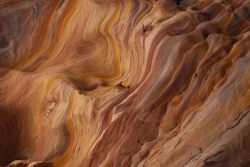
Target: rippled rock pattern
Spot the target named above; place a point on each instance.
(125, 83)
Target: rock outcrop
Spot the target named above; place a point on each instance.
(125, 83)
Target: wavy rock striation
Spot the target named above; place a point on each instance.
(125, 83)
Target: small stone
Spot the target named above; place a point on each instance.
(51, 107)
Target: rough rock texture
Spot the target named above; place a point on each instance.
(125, 83)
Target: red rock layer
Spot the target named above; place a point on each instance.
(118, 83)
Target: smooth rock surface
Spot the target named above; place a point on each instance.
(125, 83)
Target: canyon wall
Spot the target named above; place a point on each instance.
(125, 83)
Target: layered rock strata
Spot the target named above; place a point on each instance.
(125, 83)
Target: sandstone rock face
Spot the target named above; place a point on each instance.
(125, 83)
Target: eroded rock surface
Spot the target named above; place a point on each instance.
(125, 83)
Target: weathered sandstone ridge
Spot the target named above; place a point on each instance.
(125, 83)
